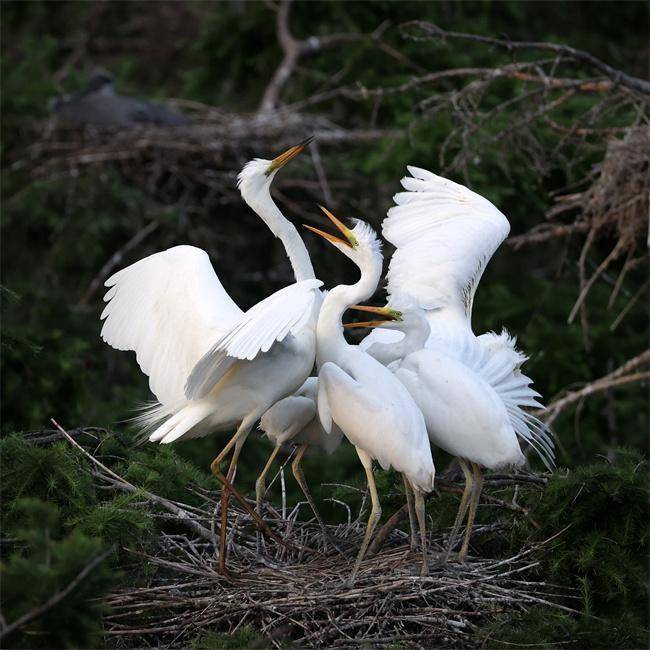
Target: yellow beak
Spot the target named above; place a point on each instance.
(350, 240)
(288, 155)
(388, 314)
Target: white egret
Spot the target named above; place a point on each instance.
(372, 408)
(293, 420)
(212, 366)
(470, 389)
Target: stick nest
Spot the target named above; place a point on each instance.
(297, 592)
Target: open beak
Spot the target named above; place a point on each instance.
(288, 155)
(389, 315)
(348, 238)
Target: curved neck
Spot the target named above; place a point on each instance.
(330, 342)
(416, 332)
(284, 230)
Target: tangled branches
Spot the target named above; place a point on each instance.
(304, 598)
(295, 589)
(191, 165)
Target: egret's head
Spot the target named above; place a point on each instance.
(258, 174)
(360, 243)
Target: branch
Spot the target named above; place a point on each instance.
(617, 76)
(619, 377)
(57, 597)
(295, 49)
(184, 517)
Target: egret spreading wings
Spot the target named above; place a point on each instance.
(469, 388)
(212, 366)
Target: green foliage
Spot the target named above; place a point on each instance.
(58, 231)
(44, 563)
(50, 473)
(602, 551)
(116, 520)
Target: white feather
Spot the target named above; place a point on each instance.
(444, 235)
(168, 308)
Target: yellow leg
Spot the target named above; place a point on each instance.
(409, 503)
(375, 513)
(237, 441)
(469, 482)
(419, 511)
(299, 475)
(260, 484)
(260, 487)
(473, 505)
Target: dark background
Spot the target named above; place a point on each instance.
(61, 223)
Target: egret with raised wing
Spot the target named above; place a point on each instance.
(469, 388)
(212, 366)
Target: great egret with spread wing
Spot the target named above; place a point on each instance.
(212, 366)
(371, 407)
(469, 388)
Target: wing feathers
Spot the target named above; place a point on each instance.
(168, 308)
(269, 321)
(444, 236)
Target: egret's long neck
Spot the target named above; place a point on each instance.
(284, 230)
(330, 342)
(416, 331)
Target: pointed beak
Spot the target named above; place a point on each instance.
(349, 239)
(288, 155)
(389, 315)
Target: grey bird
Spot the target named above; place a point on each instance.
(98, 104)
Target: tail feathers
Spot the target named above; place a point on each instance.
(181, 423)
(537, 434)
(152, 415)
(501, 368)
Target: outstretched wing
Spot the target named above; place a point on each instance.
(273, 319)
(168, 308)
(444, 235)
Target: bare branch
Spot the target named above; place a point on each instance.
(625, 374)
(617, 76)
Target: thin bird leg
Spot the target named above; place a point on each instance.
(260, 487)
(241, 432)
(473, 505)
(419, 510)
(375, 513)
(462, 508)
(261, 524)
(225, 499)
(409, 503)
(299, 475)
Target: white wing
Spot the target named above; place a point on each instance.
(168, 308)
(444, 235)
(273, 319)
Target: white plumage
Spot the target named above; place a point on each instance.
(270, 321)
(294, 419)
(372, 408)
(171, 309)
(444, 235)
(470, 389)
